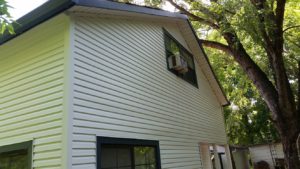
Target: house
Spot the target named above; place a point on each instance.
(89, 84)
(270, 153)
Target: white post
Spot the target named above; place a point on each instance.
(205, 156)
(217, 159)
(228, 156)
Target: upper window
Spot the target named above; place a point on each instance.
(179, 60)
(17, 156)
(115, 153)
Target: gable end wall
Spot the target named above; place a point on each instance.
(122, 88)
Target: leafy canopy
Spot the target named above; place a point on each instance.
(6, 19)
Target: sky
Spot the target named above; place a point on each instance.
(21, 7)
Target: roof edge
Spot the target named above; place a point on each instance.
(106, 4)
(36, 17)
(227, 103)
(54, 7)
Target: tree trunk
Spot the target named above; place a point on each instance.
(289, 143)
(289, 136)
(284, 114)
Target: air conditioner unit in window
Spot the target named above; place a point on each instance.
(177, 62)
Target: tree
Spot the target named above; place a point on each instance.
(6, 19)
(260, 25)
(261, 22)
(247, 118)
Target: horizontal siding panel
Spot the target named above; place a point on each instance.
(47, 155)
(93, 86)
(47, 163)
(152, 116)
(131, 126)
(32, 115)
(131, 134)
(50, 83)
(142, 76)
(84, 152)
(48, 139)
(32, 122)
(29, 136)
(122, 88)
(32, 91)
(49, 70)
(85, 166)
(84, 160)
(40, 94)
(30, 129)
(41, 106)
(34, 101)
(138, 104)
(35, 62)
(103, 79)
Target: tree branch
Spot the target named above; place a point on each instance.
(226, 10)
(268, 44)
(273, 38)
(291, 27)
(216, 45)
(280, 12)
(197, 18)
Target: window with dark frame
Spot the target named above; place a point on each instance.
(16, 156)
(173, 48)
(119, 153)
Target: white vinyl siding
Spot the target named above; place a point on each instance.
(31, 91)
(122, 88)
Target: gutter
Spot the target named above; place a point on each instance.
(109, 4)
(54, 7)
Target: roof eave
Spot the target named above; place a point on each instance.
(104, 4)
(54, 7)
(36, 17)
(225, 101)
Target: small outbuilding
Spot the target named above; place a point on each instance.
(271, 153)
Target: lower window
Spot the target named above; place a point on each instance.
(17, 156)
(115, 153)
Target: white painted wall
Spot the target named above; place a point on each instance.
(262, 153)
(122, 88)
(241, 159)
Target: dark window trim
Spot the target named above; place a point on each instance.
(19, 146)
(180, 45)
(126, 141)
(166, 33)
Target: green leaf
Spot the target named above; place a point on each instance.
(10, 29)
(3, 28)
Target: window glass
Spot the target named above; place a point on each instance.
(108, 157)
(144, 157)
(119, 156)
(172, 47)
(14, 159)
(188, 59)
(124, 157)
(186, 68)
